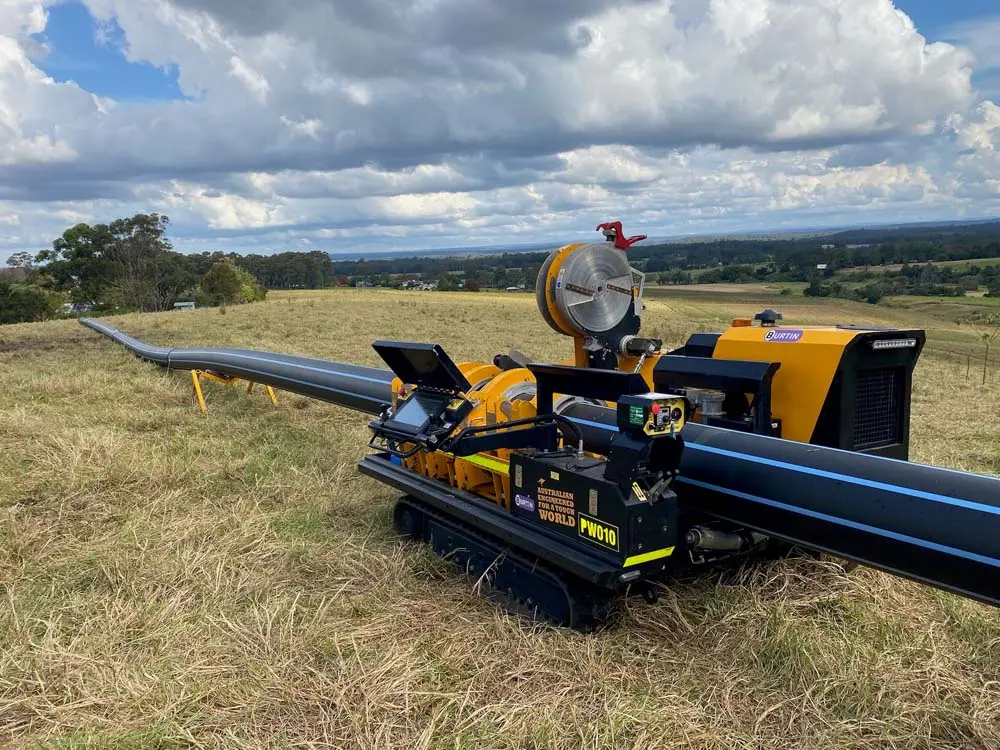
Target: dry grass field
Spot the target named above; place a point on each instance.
(172, 579)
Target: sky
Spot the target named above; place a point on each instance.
(347, 125)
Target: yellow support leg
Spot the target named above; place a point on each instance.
(267, 388)
(196, 382)
(197, 375)
(224, 379)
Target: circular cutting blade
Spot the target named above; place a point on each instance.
(593, 289)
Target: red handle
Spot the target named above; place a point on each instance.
(620, 240)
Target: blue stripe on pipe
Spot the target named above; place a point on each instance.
(598, 425)
(295, 364)
(993, 562)
(896, 489)
(932, 496)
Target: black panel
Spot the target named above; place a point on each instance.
(734, 377)
(878, 407)
(570, 496)
(699, 345)
(422, 365)
(742, 376)
(605, 385)
(867, 408)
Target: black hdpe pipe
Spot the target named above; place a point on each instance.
(937, 526)
(365, 389)
(934, 525)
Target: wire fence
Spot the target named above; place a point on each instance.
(971, 362)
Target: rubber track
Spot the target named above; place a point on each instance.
(521, 585)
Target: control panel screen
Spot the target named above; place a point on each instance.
(416, 412)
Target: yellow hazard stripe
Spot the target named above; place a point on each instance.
(491, 464)
(656, 554)
(484, 462)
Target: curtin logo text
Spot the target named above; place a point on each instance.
(783, 335)
(524, 502)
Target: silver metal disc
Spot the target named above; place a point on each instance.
(594, 288)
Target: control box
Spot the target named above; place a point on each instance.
(652, 414)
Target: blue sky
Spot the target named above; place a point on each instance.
(945, 20)
(258, 125)
(934, 16)
(93, 55)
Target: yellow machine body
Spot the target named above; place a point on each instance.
(809, 358)
(808, 366)
(499, 396)
(801, 385)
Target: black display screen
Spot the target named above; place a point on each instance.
(415, 413)
(424, 365)
(422, 361)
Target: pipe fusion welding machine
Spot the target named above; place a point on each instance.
(565, 485)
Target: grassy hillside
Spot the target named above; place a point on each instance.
(898, 266)
(947, 338)
(173, 579)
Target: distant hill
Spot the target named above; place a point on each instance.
(446, 252)
(916, 231)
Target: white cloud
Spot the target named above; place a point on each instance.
(219, 210)
(39, 149)
(465, 121)
(256, 83)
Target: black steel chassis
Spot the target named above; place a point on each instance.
(527, 570)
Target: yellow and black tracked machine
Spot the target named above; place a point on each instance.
(564, 485)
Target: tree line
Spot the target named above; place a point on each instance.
(923, 280)
(128, 264)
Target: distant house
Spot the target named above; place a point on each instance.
(827, 247)
(184, 305)
(76, 307)
(821, 266)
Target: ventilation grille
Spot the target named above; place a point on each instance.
(878, 408)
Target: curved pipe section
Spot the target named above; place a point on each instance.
(365, 389)
(159, 355)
